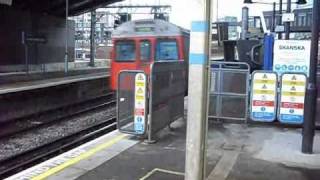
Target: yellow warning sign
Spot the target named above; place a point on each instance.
(264, 81)
(270, 92)
(294, 83)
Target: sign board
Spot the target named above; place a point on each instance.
(291, 106)
(264, 96)
(140, 103)
(291, 56)
(279, 28)
(288, 17)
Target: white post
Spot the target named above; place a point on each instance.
(198, 89)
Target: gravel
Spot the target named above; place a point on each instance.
(31, 139)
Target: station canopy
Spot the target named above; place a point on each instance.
(57, 7)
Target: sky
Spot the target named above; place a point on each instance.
(182, 17)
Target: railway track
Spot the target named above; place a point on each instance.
(34, 156)
(31, 157)
(48, 117)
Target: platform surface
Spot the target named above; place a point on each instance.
(234, 151)
(37, 84)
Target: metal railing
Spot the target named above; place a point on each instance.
(229, 90)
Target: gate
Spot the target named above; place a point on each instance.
(168, 86)
(229, 89)
(132, 102)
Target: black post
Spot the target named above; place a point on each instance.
(280, 18)
(311, 93)
(92, 37)
(287, 24)
(273, 17)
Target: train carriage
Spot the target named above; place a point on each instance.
(137, 44)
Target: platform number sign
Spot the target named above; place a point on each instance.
(140, 103)
(291, 106)
(263, 96)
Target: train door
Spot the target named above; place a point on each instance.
(145, 55)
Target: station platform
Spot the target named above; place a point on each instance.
(51, 81)
(234, 152)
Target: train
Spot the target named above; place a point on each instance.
(137, 44)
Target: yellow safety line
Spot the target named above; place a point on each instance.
(161, 170)
(79, 158)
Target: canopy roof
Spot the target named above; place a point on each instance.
(58, 7)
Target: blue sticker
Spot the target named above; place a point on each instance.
(139, 125)
(291, 119)
(277, 67)
(291, 68)
(284, 68)
(263, 116)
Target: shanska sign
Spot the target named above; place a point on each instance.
(294, 48)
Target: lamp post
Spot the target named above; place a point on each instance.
(311, 93)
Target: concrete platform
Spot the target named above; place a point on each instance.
(28, 98)
(50, 82)
(235, 151)
(52, 67)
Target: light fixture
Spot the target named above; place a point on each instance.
(247, 2)
(301, 2)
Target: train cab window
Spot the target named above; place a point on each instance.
(125, 51)
(166, 50)
(145, 50)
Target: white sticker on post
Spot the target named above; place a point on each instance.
(140, 103)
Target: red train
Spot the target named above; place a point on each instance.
(137, 44)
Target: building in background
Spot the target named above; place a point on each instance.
(107, 19)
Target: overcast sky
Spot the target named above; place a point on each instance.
(180, 15)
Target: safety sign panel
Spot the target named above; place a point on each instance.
(264, 96)
(291, 106)
(291, 56)
(140, 103)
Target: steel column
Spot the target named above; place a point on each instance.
(311, 93)
(66, 40)
(92, 37)
(273, 17)
(287, 24)
(245, 23)
(280, 18)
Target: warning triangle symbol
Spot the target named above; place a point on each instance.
(294, 78)
(293, 88)
(265, 76)
(264, 87)
(140, 91)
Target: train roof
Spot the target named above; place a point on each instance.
(148, 27)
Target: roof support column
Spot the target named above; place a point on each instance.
(198, 89)
(92, 37)
(66, 40)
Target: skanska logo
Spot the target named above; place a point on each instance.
(294, 48)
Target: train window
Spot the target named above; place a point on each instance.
(145, 50)
(166, 50)
(125, 51)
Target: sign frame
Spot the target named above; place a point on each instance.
(275, 97)
(291, 56)
(133, 132)
(280, 97)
